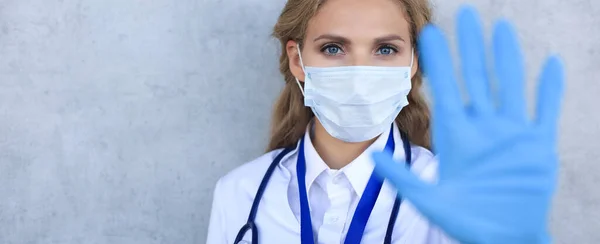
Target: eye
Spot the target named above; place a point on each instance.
(331, 49)
(387, 50)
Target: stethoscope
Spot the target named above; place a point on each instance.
(363, 210)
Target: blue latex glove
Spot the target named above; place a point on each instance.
(498, 168)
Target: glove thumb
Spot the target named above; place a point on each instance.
(408, 184)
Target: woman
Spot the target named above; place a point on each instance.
(352, 90)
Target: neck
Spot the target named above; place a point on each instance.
(334, 152)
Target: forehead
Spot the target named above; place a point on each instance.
(365, 18)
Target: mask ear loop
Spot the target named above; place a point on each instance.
(301, 65)
(412, 57)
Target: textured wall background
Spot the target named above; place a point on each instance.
(117, 116)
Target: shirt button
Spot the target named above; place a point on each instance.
(334, 219)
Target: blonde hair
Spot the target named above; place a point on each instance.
(290, 116)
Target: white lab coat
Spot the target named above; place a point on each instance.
(333, 196)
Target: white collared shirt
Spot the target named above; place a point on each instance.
(333, 196)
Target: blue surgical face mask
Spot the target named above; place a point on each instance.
(356, 103)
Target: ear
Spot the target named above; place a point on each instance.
(415, 66)
(294, 60)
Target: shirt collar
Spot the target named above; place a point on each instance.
(358, 172)
(315, 165)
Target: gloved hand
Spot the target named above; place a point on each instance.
(497, 167)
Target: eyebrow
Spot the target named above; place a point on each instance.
(333, 38)
(342, 39)
(389, 38)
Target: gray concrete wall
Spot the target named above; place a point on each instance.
(118, 116)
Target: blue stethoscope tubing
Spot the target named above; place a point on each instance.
(250, 225)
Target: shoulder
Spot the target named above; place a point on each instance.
(247, 176)
(233, 196)
(424, 163)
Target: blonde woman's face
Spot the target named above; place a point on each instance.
(355, 33)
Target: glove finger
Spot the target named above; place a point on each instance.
(550, 91)
(509, 69)
(474, 69)
(439, 69)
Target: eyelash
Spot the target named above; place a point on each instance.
(330, 45)
(393, 48)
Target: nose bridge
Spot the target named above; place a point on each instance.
(361, 55)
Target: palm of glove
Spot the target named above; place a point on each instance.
(496, 181)
(497, 168)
